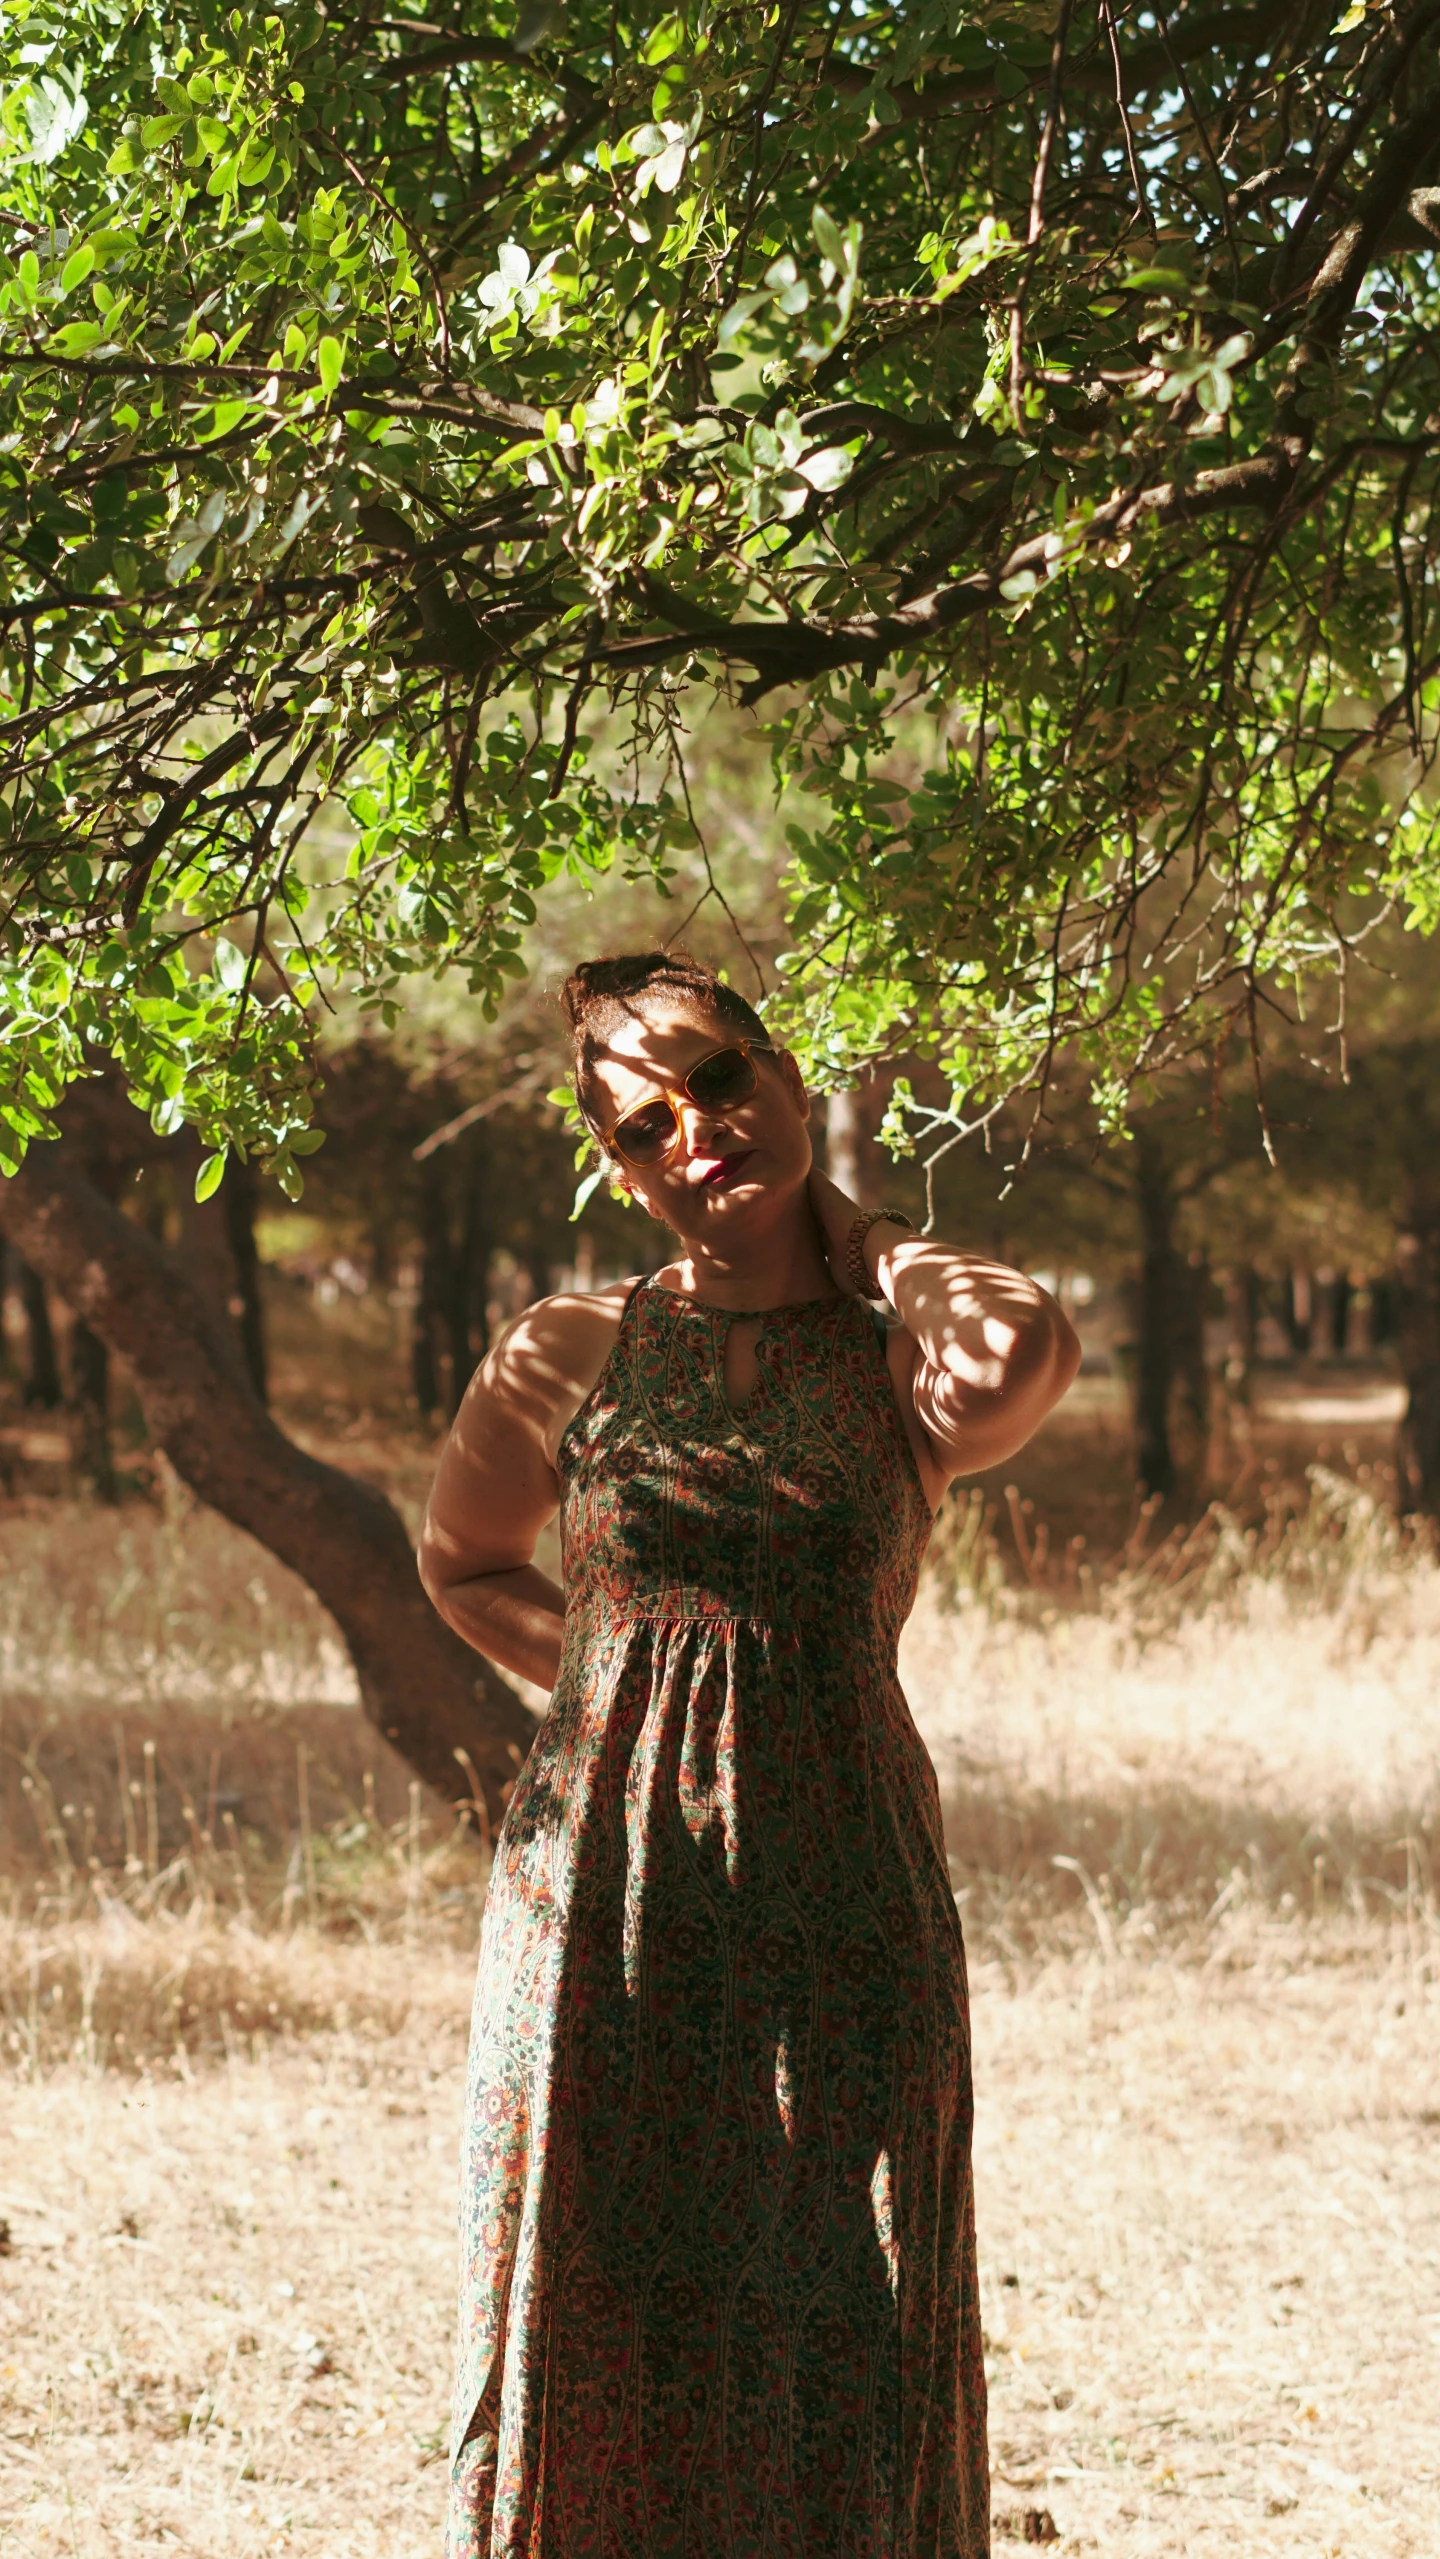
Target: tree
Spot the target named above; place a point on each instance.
(455, 1720)
(1041, 402)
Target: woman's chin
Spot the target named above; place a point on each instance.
(730, 1207)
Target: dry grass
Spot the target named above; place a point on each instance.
(1192, 1805)
(1248, 1716)
(1209, 2225)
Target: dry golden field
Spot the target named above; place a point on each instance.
(1192, 1803)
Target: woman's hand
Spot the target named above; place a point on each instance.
(989, 1352)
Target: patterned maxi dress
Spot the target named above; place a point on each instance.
(718, 2291)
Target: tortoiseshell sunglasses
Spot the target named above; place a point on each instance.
(649, 1135)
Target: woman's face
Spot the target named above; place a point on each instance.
(733, 1166)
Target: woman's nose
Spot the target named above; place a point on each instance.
(698, 1124)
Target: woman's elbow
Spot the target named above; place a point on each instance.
(437, 1566)
(1064, 1352)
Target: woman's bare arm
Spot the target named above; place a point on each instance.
(496, 1487)
(991, 1351)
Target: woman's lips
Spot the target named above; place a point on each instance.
(725, 1169)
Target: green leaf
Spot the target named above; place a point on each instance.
(585, 1192)
(664, 39)
(77, 337)
(827, 469)
(330, 363)
(210, 1176)
(1156, 279)
(77, 266)
(827, 237)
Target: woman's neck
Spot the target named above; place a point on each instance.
(782, 1267)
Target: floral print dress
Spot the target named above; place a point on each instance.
(718, 2290)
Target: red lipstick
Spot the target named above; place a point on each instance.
(726, 1169)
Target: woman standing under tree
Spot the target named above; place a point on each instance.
(718, 2287)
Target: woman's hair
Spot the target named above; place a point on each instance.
(601, 994)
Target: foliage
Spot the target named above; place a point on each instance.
(1038, 404)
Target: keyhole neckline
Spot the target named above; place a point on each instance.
(744, 1314)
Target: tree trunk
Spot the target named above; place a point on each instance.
(42, 1368)
(437, 1284)
(1169, 1355)
(471, 1324)
(89, 1364)
(420, 1686)
(852, 1157)
(1417, 1339)
(237, 1196)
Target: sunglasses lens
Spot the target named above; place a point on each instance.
(718, 1081)
(647, 1136)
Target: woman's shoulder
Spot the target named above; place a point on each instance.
(550, 1357)
(572, 1316)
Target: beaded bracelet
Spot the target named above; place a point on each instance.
(857, 1269)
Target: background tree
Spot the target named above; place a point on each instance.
(384, 399)
(409, 428)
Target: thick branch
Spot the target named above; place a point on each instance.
(793, 652)
(1144, 64)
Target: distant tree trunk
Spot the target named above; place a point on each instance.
(437, 1283)
(419, 1685)
(471, 1327)
(237, 1198)
(450, 1322)
(1299, 1311)
(1242, 1303)
(852, 1157)
(92, 1457)
(1169, 1300)
(1417, 1339)
(42, 1368)
(218, 1243)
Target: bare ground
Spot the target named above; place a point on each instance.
(1193, 1813)
(1210, 2232)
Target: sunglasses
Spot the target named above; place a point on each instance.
(649, 1134)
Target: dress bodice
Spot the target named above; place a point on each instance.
(803, 1505)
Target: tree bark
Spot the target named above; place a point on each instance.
(1417, 1339)
(1169, 1327)
(419, 1685)
(42, 1368)
(852, 1157)
(89, 1363)
(437, 1283)
(237, 1196)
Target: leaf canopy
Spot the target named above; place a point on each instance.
(1035, 408)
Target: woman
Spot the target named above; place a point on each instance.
(718, 2260)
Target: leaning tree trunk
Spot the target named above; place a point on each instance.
(420, 1686)
(1417, 1339)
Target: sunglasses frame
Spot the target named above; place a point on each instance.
(675, 1094)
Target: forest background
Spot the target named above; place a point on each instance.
(933, 505)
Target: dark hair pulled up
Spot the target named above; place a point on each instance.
(601, 994)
